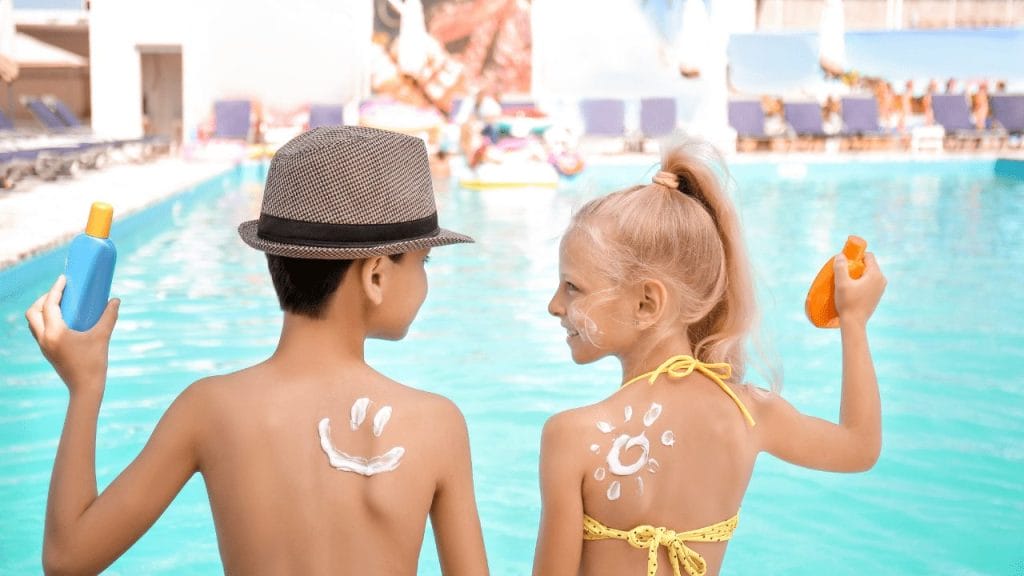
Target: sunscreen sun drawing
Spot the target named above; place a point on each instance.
(625, 444)
(339, 460)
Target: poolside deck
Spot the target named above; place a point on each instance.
(37, 216)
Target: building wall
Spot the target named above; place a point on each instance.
(282, 54)
(874, 14)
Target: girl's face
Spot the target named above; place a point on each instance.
(595, 313)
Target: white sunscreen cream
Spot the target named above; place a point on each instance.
(358, 413)
(623, 443)
(344, 462)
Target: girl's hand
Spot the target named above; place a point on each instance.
(856, 299)
(80, 358)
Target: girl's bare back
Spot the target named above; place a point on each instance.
(685, 465)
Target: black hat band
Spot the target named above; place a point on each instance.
(326, 235)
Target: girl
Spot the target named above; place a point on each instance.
(657, 276)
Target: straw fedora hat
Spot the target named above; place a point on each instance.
(348, 192)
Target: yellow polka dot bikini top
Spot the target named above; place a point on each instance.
(681, 556)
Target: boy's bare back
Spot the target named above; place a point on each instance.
(277, 503)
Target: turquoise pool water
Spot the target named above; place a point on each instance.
(947, 496)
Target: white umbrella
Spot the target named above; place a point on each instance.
(831, 35)
(701, 51)
(696, 40)
(8, 63)
(412, 36)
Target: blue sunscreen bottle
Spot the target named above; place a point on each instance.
(89, 270)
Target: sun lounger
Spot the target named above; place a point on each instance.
(604, 117)
(953, 114)
(1008, 112)
(72, 121)
(325, 115)
(6, 126)
(50, 121)
(860, 122)
(232, 119)
(46, 161)
(604, 126)
(747, 118)
(805, 121)
(67, 130)
(657, 117)
(12, 169)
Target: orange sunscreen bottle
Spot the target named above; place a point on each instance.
(820, 305)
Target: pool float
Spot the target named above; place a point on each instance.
(512, 174)
(567, 163)
(820, 305)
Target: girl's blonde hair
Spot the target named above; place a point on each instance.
(686, 236)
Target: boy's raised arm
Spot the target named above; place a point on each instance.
(85, 532)
(854, 444)
(453, 514)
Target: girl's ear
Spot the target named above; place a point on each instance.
(372, 276)
(653, 297)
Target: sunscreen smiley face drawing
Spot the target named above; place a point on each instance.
(623, 459)
(367, 466)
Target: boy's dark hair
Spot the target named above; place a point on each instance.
(303, 285)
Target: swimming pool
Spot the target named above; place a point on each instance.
(946, 497)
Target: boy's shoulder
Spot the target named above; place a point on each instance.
(428, 404)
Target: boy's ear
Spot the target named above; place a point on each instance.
(372, 275)
(651, 302)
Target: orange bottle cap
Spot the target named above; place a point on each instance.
(100, 216)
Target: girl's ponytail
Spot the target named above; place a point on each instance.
(719, 335)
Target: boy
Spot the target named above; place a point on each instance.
(314, 462)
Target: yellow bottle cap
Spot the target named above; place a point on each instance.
(100, 216)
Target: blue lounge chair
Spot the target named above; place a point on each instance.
(860, 116)
(1008, 111)
(325, 115)
(92, 151)
(6, 126)
(232, 119)
(22, 155)
(148, 144)
(804, 118)
(746, 117)
(657, 117)
(61, 111)
(603, 117)
(50, 121)
(21, 158)
(860, 120)
(952, 113)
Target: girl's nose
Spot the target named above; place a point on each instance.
(555, 306)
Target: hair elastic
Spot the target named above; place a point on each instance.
(671, 180)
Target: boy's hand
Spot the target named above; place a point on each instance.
(80, 358)
(856, 299)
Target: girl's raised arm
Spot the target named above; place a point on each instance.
(560, 539)
(854, 444)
